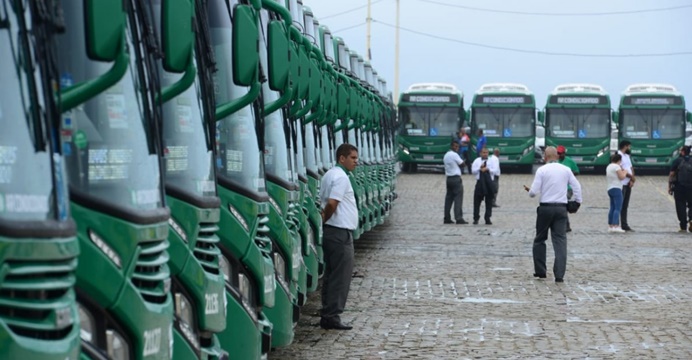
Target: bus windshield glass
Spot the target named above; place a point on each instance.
(578, 123)
(26, 186)
(657, 124)
(505, 122)
(429, 121)
(188, 160)
(106, 145)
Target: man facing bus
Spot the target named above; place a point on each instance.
(567, 161)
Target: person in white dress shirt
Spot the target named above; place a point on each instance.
(485, 171)
(551, 182)
(455, 187)
(625, 147)
(495, 157)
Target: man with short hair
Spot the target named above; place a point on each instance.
(567, 161)
(484, 171)
(495, 157)
(340, 218)
(680, 186)
(551, 182)
(625, 148)
(455, 187)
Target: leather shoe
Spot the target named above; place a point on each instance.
(334, 324)
(540, 276)
(559, 280)
(627, 228)
(475, 222)
(488, 222)
(449, 222)
(462, 222)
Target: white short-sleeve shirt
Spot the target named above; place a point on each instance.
(336, 185)
(626, 164)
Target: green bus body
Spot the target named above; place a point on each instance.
(38, 311)
(430, 116)
(653, 118)
(507, 115)
(578, 116)
(115, 178)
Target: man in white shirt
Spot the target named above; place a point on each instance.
(485, 171)
(625, 147)
(495, 157)
(340, 218)
(455, 187)
(551, 182)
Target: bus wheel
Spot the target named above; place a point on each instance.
(405, 167)
(414, 167)
(528, 169)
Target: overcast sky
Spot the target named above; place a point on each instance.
(440, 55)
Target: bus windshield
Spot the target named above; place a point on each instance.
(106, 147)
(658, 124)
(429, 121)
(578, 123)
(26, 188)
(505, 122)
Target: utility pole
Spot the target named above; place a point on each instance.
(368, 21)
(396, 58)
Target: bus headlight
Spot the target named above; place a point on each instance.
(225, 268)
(116, 346)
(675, 153)
(87, 325)
(185, 315)
(281, 272)
(606, 149)
(311, 241)
(527, 150)
(245, 289)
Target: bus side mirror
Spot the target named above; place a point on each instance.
(689, 117)
(105, 24)
(616, 117)
(278, 55)
(177, 34)
(245, 46)
(468, 115)
(541, 118)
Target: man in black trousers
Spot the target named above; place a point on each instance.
(551, 182)
(485, 172)
(625, 148)
(680, 186)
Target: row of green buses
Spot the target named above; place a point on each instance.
(160, 169)
(579, 116)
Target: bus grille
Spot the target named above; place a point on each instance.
(206, 249)
(152, 276)
(34, 298)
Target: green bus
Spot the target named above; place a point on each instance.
(430, 115)
(507, 115)
(578, 116)
(653, 118)
(38, 311)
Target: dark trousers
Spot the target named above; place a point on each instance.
(465, 157)
(336, 282)
(455, 195)
(683, 205)
(478, 197)
(553, 218)
(626, 192)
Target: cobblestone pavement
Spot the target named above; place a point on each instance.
(434, 291)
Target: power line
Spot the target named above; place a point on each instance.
(348, 28)
(347, 11)
(624, 12)
(534, 51)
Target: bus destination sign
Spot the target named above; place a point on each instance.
(503, 99)
(438, 99)
(658, 100)
(578, 100)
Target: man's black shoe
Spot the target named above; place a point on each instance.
(559, 280)
(462, 222)
(449, 221)
(627, 228)
(496, 205)
(539, 276)
(475, 222)
(488, 222)
(569, 229)
(334, 324)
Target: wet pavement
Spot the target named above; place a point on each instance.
(431, 291)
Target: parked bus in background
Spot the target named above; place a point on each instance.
(430, 115)
(507, 115)
(578, 116)
(653, 118)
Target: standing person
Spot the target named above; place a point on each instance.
(464, 141)
(480, 144)
(455, 187)
(680, 186)
(495, 157)
(551, 182)
(625, 148)
(567, 161)
(614, 175)
(484, 171)
(340, 218)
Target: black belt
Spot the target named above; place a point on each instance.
(453, 175)
(336, 227)
(554, 204)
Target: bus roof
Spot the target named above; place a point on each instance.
(434, 87)
(649, 89)
(579, 88)
(503, 88)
